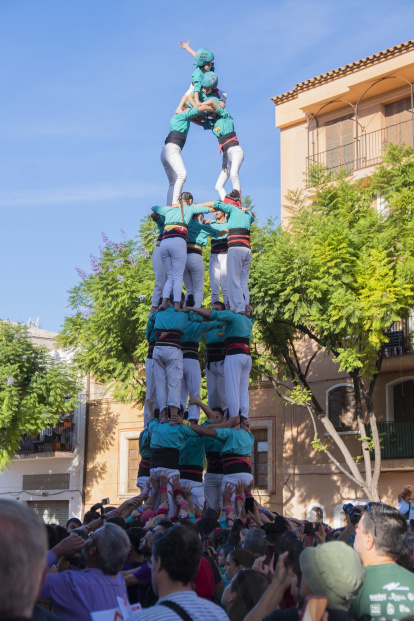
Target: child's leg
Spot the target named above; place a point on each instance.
(236, 157)
(166, 153)
(221, 182)
(165, 253)
(160, 276)
(178, 259)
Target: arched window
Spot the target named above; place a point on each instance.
(341, 407)
(400, 399)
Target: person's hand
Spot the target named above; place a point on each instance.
(209, 221)
(154, 483)
(69, 546)
(184, 45)
(151, 523)
(320, 534)
(164, 505)
(194, 400)
(263, 568)
(163, 478)
(284, 573)
(198, 510)
(227, 491)
(239, 489)
(175, 481)
(255, 515)
(248, 489)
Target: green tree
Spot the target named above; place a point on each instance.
(35, 388)
(335, 278)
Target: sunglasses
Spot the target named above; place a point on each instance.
(369, 510)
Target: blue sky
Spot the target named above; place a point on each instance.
(87, 89)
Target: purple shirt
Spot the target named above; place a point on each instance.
(75, 594)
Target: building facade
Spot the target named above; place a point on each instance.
(47, 473)
(342, 120)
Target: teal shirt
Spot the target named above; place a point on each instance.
(194, 332)
(220, 226)
(211, 445)
(181, 122)
(160, 224)
(198, 233)
(213, 95)
(235, 441)
(170, 320)
(173, 214)
(197, 77)
(144, 442)
(222, 125)
(164, 435)
(236, 218)
(216, 335)
(193, 453)
(236, 325)
(150, 333)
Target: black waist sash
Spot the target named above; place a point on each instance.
(232, 464)
(215, 352)
(144, 467)
(226, 142)
(176, 137)
(238, 238)
(219, 246)
(168, 338)
(192, 473)
(150, 349)
(175, 229)
(165, 458)
(214, 463)
(190, 350)
(237, 345)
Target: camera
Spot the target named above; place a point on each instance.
(354, 514)
(310, 528)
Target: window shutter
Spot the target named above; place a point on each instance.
(51, 511)
(340, 143)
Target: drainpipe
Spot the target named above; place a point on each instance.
(85, 454)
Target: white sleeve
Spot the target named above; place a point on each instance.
(190, 90)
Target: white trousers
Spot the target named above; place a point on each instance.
(173, 253)
(235, 157)
(142, 483)
(155, 472)
(168, 374)
(216, 389)
(238, 271)
(160, 276)
(217, 269)
(197, 492)
(235, 478)
(175, 170)
(190, 386)
(212, 490)
(236, 373)
(194, 278)
(150, 395)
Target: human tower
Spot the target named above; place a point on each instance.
(172, 439)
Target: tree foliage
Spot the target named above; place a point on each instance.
(337, 276)
(35, 388)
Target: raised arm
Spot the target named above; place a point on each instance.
(186, 46)
(211, 414)
(204, 312)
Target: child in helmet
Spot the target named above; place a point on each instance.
(204, 61)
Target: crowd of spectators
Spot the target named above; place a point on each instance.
(242, 565)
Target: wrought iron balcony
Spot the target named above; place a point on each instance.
(366, 151)
(51, 440)
(401, 338)
(397, 439)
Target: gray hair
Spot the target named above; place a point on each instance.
(23, 545)
(113, 547)
(255, 541)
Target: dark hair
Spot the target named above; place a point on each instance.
(242, 557)
(61, 532)
(221, 304)
(135, 523)
(90, 516)
(72, 520)
(255, 541)
(404, 558)
(387, 526)
(173, 545)
(118, 521)
(220, 537)
(135, 535)
(52, 538)
(185, 197)
(234, 195)
(249, 587)
(208, 523)
(274, 530)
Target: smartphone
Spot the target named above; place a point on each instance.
(249, 504)
(269, 554)
(310, 528)
(105, 501)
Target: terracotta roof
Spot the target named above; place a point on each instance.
(402, 48)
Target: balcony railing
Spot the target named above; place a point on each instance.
(369, 152)
(51, 440)
(397, 439)
(401, 338)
